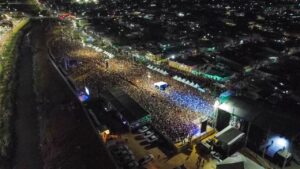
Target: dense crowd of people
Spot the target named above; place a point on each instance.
(174, 111)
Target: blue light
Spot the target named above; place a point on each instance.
(226, 94)
(281, 142)
(275, 144)
(83, 98)
(195, 130)
(192, 102)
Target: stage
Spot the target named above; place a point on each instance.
(196, 138)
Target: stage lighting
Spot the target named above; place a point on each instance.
(281, 142)
(216, 105)
(87, 91)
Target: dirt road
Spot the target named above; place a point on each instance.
(27, 152)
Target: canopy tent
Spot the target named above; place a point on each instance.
(161, 85)
(157, 70)
(190, 83)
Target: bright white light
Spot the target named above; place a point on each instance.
(216, 105)
(106, 132)
(87, 91)
(180, 14)
(281, 142)
(173, 57)
(226, 107)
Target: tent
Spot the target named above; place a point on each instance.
(238, 161)
(161, 85)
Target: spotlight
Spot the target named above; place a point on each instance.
(216, 105)
(282, 142)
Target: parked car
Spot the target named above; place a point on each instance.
(151, 139)
(148, 134)
(132, 165)
(143, 129)
(146, 159)
(111, 144)
(130, 152)
(180, 167)
(119, 148)
(123, 147)
(126, 158)
(120, 152)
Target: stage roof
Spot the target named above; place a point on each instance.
(262, 115)
(229, 135)
(129, 108)
(242, 107)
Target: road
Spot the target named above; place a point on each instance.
(27, 152)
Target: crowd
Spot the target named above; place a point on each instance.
(173, 111)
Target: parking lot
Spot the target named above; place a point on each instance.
(160, 149)
(140, 148)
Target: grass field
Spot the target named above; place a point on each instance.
(8, 53)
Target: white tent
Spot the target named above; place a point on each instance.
(238, 161)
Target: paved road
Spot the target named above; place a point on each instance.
(27, 153)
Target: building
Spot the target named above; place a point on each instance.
(262, 124)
